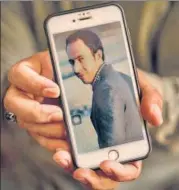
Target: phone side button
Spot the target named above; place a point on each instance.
(113, 155)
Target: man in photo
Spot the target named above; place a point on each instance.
(114, 114)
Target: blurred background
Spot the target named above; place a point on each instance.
(154, 28)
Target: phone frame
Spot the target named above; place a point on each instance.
(101, 5)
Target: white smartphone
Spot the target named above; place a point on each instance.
(94, 67)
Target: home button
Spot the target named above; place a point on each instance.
(113, 155)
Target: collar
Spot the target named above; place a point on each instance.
(99, 74)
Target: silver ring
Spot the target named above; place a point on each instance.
(10, 117)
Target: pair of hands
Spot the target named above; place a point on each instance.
(32, 86)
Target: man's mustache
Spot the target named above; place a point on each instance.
(79, 75)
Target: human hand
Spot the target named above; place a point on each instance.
(31, 83)
(31, 86)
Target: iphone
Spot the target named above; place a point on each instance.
(93, 63)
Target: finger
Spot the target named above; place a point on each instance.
(95, 180)
(119, 172)
(31, 74)
(152, 103)
(49, 143)
(46, 66)
(49, 130)
(64, 159)
(151, 106)
(29, 110)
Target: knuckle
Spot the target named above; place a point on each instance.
(10, 73)
(15, 70)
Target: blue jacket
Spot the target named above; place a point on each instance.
(114, 112)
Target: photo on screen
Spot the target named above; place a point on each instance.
(98, 87)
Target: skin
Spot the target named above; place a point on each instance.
(85, 64)
(31, 84)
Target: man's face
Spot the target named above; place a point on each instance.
(82, 60)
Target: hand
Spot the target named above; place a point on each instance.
(31, 84)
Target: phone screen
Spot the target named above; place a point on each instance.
(100, 87)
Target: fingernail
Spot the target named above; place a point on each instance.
(56, 116)
(64, 163)
(157, 113)
(49, 83)
(82, 180)
(51, 92)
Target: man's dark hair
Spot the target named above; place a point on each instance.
(89, 38)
